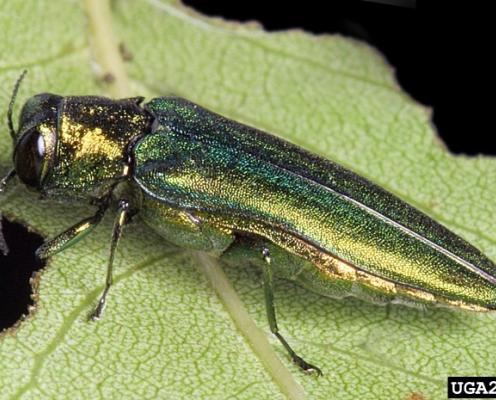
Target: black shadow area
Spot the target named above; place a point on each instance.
(442, 57)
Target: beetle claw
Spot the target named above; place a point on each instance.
(97, 312)
(307, 367)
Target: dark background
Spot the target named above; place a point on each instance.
(442, 57)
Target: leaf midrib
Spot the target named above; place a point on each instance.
(106, 54)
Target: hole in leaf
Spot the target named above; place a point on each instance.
(16, 270)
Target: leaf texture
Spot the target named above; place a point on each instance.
(176, 326)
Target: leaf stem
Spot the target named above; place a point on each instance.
(106, 49)
(245, 324)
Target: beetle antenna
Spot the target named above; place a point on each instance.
(12, 102)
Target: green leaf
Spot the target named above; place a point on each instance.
(175, 326)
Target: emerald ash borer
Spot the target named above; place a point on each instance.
(209, 183)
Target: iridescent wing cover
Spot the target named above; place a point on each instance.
(252, 182)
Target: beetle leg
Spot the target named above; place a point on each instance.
(120, 221)
(4, 249)
(72, 235)
(271, 316)
(6, 179)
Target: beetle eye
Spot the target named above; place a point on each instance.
(29, 157)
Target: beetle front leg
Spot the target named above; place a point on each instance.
(4, 249)
(120, 221)
(72, 235)
(271, 316)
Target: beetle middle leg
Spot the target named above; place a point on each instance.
(122, 218)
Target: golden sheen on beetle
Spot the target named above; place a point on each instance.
(209, 183)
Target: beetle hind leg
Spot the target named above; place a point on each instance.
(271, 315)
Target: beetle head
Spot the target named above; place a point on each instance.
(36, 139)
(74, 147)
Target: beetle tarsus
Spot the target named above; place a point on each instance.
(98, 311)
(306, 367)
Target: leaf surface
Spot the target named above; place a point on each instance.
(175, 326)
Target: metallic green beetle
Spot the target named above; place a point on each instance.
(208, 183)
